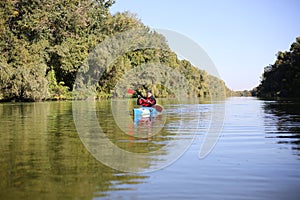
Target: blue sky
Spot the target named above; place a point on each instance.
(240, 36)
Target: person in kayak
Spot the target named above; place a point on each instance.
(147, 101)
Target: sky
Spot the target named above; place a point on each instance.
(241, 37)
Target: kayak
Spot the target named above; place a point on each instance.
(144, 112)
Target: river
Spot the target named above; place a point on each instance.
(94, 150)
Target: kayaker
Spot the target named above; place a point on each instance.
(147, 101)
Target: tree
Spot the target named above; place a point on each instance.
(45, 44)
(37, 36)
(282, 79)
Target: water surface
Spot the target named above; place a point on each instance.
(256, 156)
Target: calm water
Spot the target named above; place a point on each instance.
(256, 156)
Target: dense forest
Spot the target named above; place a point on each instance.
(282, 79)
(44, 43)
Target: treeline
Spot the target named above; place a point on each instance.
(282, 79)
(43, 44)
(243, 93)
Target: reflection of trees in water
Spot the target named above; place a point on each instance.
(143, 137)
(143, 146)
(42, 156)
(286, 115)
(150, 133)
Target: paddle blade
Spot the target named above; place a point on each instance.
(157, 107)
(130, 91)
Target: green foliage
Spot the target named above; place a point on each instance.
(163, 75)
(282, 79)
(44, 44)
(23, 73)
(57, 91)
(37, 36)
(244, 93)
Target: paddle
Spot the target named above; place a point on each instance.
(157, 107)
(130, 91)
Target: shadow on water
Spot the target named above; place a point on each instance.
(282, 121)
(42, 156)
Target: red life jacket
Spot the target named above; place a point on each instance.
(146, 102)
